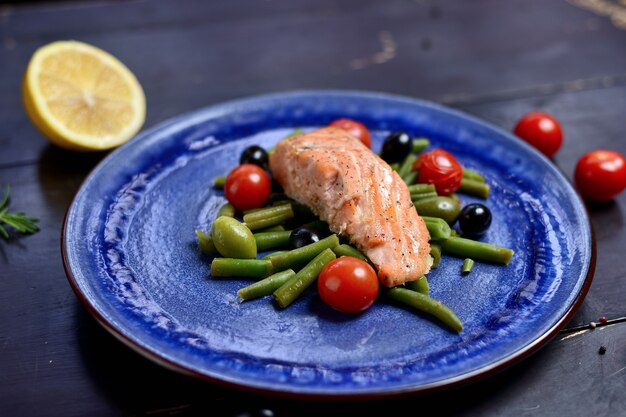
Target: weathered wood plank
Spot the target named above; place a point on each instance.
(69, 366)
(493, 59)
(590, 120)
(448, 51)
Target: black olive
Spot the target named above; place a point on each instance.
(254, 155)
(474, 219)
(275, 186)
(396, 147)
(303, 236)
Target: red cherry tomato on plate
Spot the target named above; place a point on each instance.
(600, 175)
(348, 284)
(540, 130)
(440, 168)
(356, 129)
(247, 187)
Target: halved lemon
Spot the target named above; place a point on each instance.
(81, 97)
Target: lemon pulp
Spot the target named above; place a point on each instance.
(81, 97)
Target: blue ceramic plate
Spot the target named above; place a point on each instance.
(130, 253)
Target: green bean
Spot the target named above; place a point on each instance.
(271, 240)
(233, 267)
(421, 285)
(420, 196)
(226, 210)
(475, 188)
(300, 210)
(266, 286)
(480, 251)
(435, 252)
(291, 289)
(265, 212)
(438, 228)
(421, 191)
(442, 207)
(427, 305)
(277, 228)
(274, 253)
(468, 265)
(470, 174)
(406, 165)
(232, 239)
(296, 132)
(301, 256)
(254, 210)
(410, 178)
(206, 243)
(347, 250)
(279, 202)
(394, 166)
(218, 182)
(420, 144)
(270, 216)
(275, 203)
(421, 188)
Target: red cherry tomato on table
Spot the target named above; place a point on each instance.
(542, 131)
(440, 168)
(247, 187)
(601, 175)
(348, 284)
(356, 129)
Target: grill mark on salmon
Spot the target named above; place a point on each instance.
(359, 196)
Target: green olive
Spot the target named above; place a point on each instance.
(232, 239)
(444, 207)
(205, 242)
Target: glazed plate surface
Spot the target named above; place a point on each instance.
(130, 252)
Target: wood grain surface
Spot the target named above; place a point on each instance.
(492, 59)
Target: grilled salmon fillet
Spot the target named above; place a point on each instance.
(359, 196)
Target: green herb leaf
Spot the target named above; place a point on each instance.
(5, 199)
(18, 221)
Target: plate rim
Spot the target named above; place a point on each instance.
(466, 378)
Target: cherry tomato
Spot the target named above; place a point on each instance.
(356, 129)
(540, 130)
(440, 168)
(247, 187)
(600, 175)
(348, 284)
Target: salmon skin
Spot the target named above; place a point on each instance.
(359, 196)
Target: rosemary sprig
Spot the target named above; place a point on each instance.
(18, 221)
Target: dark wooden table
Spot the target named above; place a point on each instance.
(493, 59)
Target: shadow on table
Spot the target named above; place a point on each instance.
(60, 174)
(136, 385)
(58, 166)
(606, 216)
